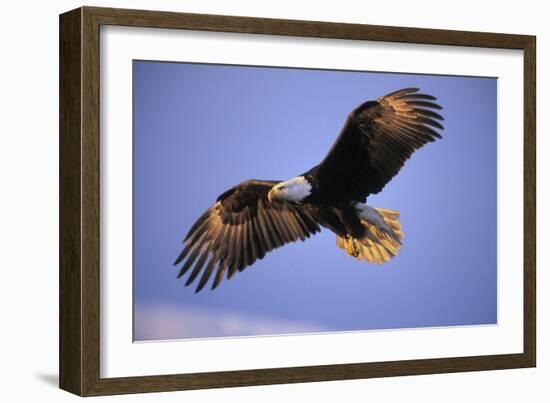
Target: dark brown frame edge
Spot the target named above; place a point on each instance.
(79, 201)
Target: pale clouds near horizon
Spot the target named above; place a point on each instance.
(167, 322)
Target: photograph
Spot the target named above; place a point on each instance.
(272, 201)
(251, 199)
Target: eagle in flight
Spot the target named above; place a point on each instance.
(257, 216)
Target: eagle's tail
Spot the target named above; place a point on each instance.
(381, 241)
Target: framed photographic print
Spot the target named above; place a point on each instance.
(249, 201)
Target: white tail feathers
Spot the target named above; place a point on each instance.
(382, 240)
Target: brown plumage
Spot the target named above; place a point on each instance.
(241, 227)
(258, 216)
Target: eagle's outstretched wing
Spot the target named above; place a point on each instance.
(376, 140)
(241, 227)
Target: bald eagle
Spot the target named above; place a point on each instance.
(257, 216)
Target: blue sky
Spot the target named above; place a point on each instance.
(201, 129)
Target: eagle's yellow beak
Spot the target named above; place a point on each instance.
(270, 195)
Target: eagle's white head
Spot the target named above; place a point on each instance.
(294, 190)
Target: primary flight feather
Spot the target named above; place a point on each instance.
(256, 216)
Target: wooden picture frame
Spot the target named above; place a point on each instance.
(79, 201)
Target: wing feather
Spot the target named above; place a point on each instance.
(238, 247)
(297, 230)
(261, 246)
(264, 227)
(239, 229)
(246, 243)
(274, 229)
(375, 142)
(207, 272)
(193, 256)
(198, 265)
(222, 268)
